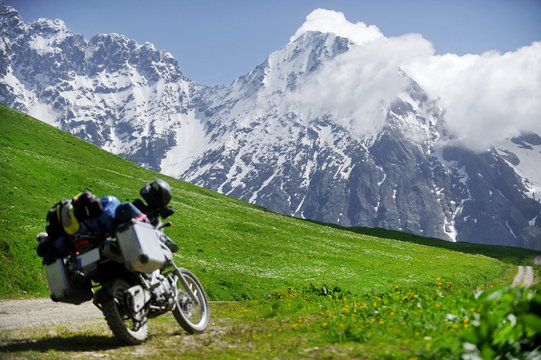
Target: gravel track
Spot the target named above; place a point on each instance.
(16, 314)
(525, 274)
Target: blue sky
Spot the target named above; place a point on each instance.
(217, 41)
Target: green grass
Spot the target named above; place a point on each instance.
(244, 252)
(312, 323)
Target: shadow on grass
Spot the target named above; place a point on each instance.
(506, 254)
(77, 343)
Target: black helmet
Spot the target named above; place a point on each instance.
(157, 193)
(87, 205)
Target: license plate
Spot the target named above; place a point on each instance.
(88, 260)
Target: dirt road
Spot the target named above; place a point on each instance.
(525, 274)
(31, 312)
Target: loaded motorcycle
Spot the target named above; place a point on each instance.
(131, 275)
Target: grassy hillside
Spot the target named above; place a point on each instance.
(316, 290)
(238, 250)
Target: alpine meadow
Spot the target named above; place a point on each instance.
(281, 287)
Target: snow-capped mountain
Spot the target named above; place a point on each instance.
(109, 90)
(278, 137)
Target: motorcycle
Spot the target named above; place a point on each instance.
(131, 277)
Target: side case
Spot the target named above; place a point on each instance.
(57, 279)
(62, 288)
(141, 247)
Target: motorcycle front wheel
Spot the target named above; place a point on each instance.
(129, 328)
(192, 317)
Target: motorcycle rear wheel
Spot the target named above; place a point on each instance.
(194, 318)
(124, 326)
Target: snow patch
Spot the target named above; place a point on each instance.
(449, 224)
(44, 112)
(191, 142)
(264, 185)
(42, 45)
(528, 166)
(510, 230)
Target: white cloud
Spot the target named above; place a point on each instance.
(486, 97)
(357, 85)
(335, 22)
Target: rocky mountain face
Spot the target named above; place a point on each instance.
(260, 141)
(108, 90)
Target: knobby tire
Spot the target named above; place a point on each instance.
(183, 315)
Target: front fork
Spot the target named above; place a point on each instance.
(187, 288)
